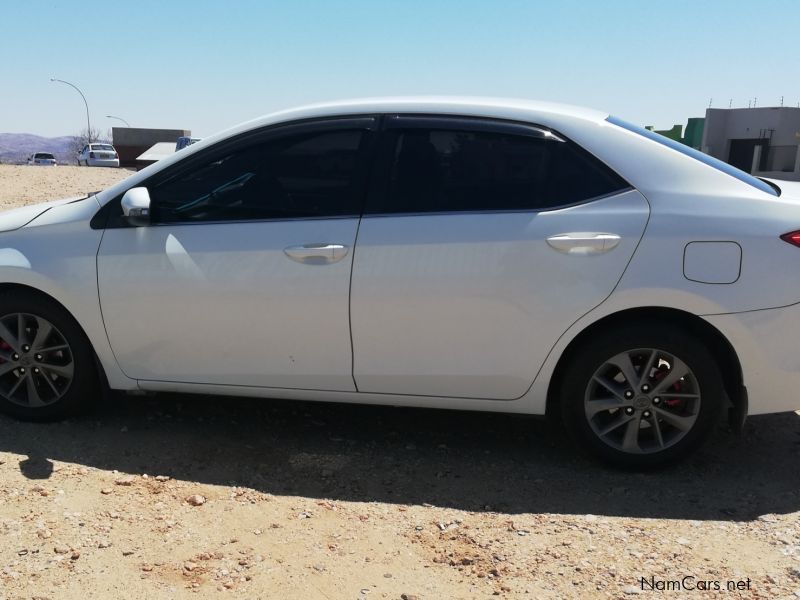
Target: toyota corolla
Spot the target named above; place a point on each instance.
(470, 254)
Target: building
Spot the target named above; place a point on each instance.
(761, 141)
(674, 134)
(155, 153)
(692, 136)
(131, 142)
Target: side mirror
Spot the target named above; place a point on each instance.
(136, 206)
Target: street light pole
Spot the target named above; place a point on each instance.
(88, 124)
(118, 119)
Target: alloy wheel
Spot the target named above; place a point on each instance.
(642, 401)
(36, 361)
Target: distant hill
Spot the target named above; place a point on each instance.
(17, 147)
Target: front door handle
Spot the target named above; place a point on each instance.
(583, 242)
(317, 254)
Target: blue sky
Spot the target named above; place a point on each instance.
(205, 65)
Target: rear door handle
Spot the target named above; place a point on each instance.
(583, 242)
(317, 254)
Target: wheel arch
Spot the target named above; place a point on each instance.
(101, 371)
(719, 346)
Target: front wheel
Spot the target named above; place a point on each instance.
(642, 396)
(47, 368)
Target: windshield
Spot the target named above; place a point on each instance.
(44, 155)
(697, 155)
(102, 147)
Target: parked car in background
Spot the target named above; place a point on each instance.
(473, 254)
(184, 141)
(42, 158)
(98, 155)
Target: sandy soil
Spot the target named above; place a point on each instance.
(205, 497)
(21, 185)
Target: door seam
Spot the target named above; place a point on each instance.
(100, 306)
(350, 306)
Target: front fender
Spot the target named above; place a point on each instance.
(58, 257)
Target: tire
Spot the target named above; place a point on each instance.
(52, 360)
(635, 422)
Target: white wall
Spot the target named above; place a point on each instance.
(723, 125)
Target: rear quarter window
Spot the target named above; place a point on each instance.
(699, 156)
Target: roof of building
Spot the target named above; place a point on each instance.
(158, 151)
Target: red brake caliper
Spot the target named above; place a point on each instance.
(660, 373)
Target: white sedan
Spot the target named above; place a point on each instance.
(470, 254)
(42, 158)
(98, 155)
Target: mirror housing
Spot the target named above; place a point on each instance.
(136, 206)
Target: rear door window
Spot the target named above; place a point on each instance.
(463, 169)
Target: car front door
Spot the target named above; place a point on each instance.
(481, 243)
(243, 276)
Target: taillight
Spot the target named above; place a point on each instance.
(793, 237)
(116, 155)
(91, 154)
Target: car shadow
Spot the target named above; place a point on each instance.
(469, 461)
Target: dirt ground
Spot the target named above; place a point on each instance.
(205, 497)
(21, 184)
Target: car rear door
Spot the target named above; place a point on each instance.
(243, 276)
(481, 243)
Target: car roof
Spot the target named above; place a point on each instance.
(444, 105)
(503, 108)
(551, 114)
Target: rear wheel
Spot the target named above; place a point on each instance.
(642, 396)
(47, 368)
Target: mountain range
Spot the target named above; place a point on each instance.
(17, 147)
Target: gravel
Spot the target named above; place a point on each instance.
(559, 525)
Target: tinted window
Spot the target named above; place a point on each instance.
(305, 175)
(102, 147)
(697, 155)
(43, 155)
(460, 170)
